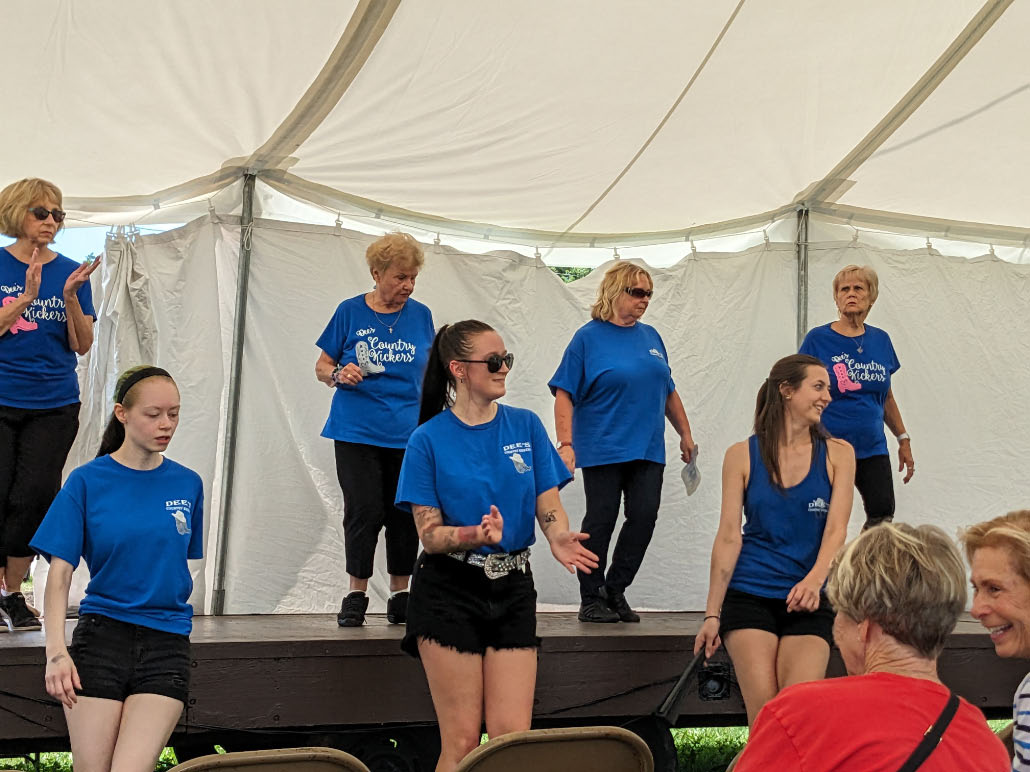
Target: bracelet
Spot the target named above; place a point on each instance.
(710, 616)
(336, 372)
(559, 445)
(903, 436)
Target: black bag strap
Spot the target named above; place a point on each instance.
(933, 735)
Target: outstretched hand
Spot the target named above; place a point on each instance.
(568, 550)
(79, 276)
(491, 527)
(33, 276)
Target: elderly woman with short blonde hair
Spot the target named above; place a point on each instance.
(613, 391)
(45, 321)
(898, 591)
(374, 352)
(861, 361)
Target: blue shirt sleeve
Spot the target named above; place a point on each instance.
(416, 485)
(195, 551)
(549, 471)
(334, 336)
(62, 532)
(570, 375)
(893, 364)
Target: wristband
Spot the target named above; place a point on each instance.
(903, 436)
(560, 445)
(336, 372)
(710, 616)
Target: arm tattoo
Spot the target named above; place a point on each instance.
(56, 658)
(437, 537)
(548, 519)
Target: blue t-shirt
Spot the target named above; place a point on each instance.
(462, 470)
(136, 529)
(37, 367)
(619, 380)
(382, 410)
(859, 382)
(783, 530)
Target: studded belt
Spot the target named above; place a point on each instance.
(496, 564)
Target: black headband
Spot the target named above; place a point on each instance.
(136, 377)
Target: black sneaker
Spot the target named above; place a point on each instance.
(596, 610)
(352, 610)
(16, 614)
(397, 608)
(617, 603)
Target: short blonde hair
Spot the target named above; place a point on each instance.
(617, 280)
(1011, 531)
(16, 199)
(910, 580)
(865, 273)
(400, 248)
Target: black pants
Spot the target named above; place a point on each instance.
(874, 479)
(368, 477)
(605, 485)
(34, 445)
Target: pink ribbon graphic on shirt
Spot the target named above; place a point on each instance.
(844, 382)
(21, 323)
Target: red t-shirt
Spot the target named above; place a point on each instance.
(868, 723)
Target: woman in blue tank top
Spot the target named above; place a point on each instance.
(794, 486)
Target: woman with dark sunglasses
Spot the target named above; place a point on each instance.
(612, 393)
(478, 476)
(46, 319)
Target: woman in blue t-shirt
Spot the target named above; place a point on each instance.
(612, 393)
(374, 352)
(861, 361)
(136, 517)
(478, 476)
(46, 318)
(794, 486)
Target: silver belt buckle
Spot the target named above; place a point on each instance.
(496, 565)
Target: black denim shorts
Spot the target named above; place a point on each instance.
(456, 605)
(116, 659)
(744, 611)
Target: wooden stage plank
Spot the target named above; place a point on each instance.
(303, 671)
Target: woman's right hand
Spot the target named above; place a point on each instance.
(568, 455)
(33, 276)
(492, 527)
(62, 679)
(350, 375)
(708, 637)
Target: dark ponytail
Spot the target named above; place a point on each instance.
(114, 433)
(452, 341)
(770, 411)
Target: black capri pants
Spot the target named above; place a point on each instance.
(605, 485)
(874, 480)
(368, 477)
(34, 445)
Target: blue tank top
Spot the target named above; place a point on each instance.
(783, 530)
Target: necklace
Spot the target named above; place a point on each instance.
(860, 342)
(391, 325)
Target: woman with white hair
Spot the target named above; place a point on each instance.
(861, 361)
(898, 591)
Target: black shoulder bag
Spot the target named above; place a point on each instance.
(933, 735)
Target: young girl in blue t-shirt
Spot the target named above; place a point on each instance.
(793, 485)
(136, 517)
(478, 476)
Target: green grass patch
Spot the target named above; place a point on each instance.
(708, 749)
(62, 762)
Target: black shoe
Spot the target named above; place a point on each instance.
(617, 603)
(16, 614)
(596, 610)
(352, 610)
(397, 608)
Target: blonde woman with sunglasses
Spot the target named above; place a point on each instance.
(46, 319)
(612, 394)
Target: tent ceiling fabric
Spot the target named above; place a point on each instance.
(533, 117)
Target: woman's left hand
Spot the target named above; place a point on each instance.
(804, 596)
(905, 460)
(80, 276)
(687, 447)
(567, 549)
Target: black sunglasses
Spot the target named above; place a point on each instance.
(41, 213)
(493, 362)
(637, 292)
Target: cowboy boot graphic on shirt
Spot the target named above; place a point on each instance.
(21, 323)
(844, 382)
(368, 367)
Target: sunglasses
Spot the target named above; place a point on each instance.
(493, 362)
(41, 213)
(638, 293)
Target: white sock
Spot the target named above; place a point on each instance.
(351, 592)
(4, 593)
(397, 592)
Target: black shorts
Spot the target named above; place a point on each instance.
(116, 659)
(744, 611)
(454, 604)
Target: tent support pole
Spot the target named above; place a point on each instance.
(801, 250)
(233, 410)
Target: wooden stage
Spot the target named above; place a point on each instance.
(277, 674)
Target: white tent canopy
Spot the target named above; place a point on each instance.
(767, 133)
